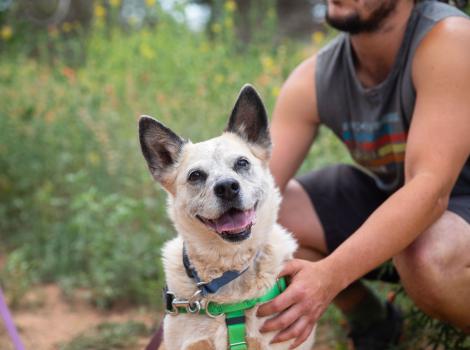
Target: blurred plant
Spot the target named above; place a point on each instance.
(6, 32)
(424, 332)
(77, 205)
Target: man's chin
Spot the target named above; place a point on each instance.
(348, 20)
(350, 23)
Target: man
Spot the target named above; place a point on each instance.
(395, 88)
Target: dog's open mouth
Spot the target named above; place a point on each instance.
(234, 225)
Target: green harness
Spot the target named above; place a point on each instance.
(234, 313)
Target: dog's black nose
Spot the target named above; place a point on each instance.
(227, 189)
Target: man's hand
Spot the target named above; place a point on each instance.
(300, 306)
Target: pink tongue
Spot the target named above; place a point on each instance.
(234, 221)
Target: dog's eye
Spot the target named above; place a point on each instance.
(196, 175)
(242, 163)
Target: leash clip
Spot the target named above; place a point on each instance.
(170, 299)
(191, 307)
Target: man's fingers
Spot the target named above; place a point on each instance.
(303, 337)
(295, 330)
(283, 320)
(290, 268)
(278, 304)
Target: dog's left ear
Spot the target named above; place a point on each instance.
(160, 146)
(249, 119)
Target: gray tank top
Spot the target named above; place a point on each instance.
(374, 122)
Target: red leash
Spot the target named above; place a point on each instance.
(157, 339)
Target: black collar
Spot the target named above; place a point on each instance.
(213, 286)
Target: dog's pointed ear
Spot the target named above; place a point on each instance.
(160, 146)
(249, 119)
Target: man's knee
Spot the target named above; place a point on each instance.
(425, 265)
(422, 260)
(430, 256)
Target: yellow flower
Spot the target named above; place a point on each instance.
(100, 11)
(146, 51)
(228, 23)
(216, 28)
(204, 47)
(6, 33)
(150, 3)
(268, 63)
(115, 3)
(93, 158)
(318, 37)
(275, 90)
(219, 79)
(67, 27)
(230, 6)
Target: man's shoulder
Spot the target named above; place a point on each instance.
(442, 55)
(436, 10)
(450, 36)
(333, 47)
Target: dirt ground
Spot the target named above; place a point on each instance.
(47, 319)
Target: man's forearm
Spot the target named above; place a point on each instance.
(389, 230)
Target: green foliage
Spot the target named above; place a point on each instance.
(77, 204)
(423, 332)
(109, 336)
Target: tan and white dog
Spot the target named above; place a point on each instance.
(223, 203)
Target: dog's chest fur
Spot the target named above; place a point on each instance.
(186, 331)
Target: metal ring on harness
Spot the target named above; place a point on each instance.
(194, 303)
(208, 313)
(193, 307)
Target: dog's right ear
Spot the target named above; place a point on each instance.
(160, 147)
(249, 119)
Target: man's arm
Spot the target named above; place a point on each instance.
(294, 124)
(437, 148)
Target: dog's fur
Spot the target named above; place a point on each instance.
(262, 246)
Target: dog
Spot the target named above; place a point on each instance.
(223, 203)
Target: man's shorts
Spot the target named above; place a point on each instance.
(344, 197)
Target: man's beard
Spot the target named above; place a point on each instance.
(353, 24)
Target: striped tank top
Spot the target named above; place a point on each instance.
(373, 122)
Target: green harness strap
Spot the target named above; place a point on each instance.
(235, 314)
(236, 330)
